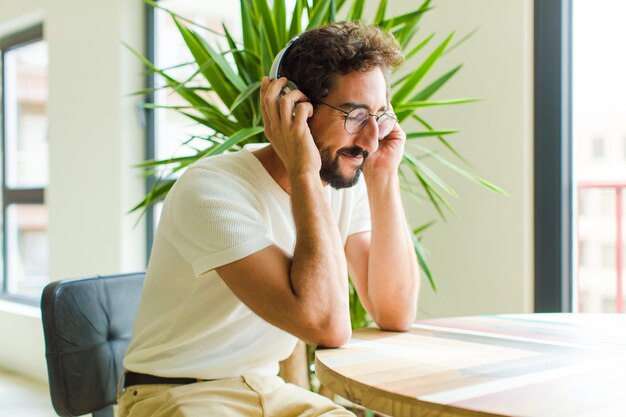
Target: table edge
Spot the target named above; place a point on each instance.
(392, 404)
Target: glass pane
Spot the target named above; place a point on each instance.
(26, 86)
(173, 129)
(596, 249)
(599, 151)
(27, 249)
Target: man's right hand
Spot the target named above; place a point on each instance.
(285, 121)
(305, 292)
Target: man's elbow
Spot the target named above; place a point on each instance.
(395, 322)
(335, 337)
(330, 332)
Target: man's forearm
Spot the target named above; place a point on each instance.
(318, 272)
(393, 274)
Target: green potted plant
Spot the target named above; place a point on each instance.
(223, 95)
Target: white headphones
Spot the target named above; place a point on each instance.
(275, 70)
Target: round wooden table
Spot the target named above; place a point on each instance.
(531, 365)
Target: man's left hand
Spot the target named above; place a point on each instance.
(388, 156)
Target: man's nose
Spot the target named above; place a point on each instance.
(368, 136)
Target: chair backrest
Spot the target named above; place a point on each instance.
(87, 325)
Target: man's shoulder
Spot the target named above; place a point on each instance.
(232, 176)
(222, 169)
(225, 162)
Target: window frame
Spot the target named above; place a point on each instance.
(150, 119)
(10, 195)
(553, 185)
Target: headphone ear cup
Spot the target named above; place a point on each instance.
(288, 88)
(274, 70)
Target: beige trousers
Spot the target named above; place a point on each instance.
(246, 396)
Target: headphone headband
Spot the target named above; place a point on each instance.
(275, 70)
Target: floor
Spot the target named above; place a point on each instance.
(23, 397)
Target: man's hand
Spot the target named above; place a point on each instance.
(305, 294)
(388, 156)
(382, 263)
(285, 121)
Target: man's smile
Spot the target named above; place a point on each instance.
(354, 153)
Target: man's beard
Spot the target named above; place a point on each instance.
(331, 171)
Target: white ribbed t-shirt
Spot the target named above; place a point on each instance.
(222, 209)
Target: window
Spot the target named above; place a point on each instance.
(607, 203)
(607, 255)
(583, 203)
(583, 253)
(169, 133)
(597, 148)
(24, 86)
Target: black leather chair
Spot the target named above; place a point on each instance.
(87, 326)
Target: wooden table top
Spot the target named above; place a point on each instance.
(530, 365)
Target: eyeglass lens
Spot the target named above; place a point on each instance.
(358, 118)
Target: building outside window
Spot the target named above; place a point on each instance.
(599, 147)
(24, 86)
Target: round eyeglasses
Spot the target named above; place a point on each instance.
(356, 119)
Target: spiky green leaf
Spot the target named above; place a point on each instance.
(380, 13)
(235, 139)
(429, 133)
(356, 12)
(413, 80)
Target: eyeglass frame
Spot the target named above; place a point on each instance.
(375, 116)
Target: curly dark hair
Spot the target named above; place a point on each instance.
(338, 48)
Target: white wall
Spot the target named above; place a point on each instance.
(95, 139)
(482, 257)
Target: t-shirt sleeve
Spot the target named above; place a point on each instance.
(361, 216)
(215, 219)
